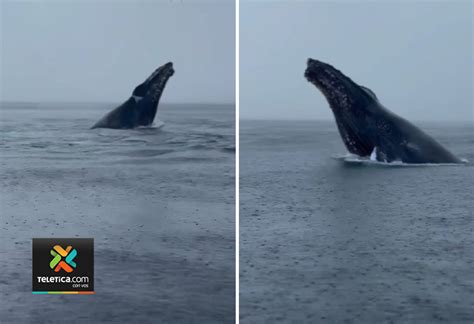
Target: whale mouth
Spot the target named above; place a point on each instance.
(314, 68)
(164, 71)
(323, 75)
(311, 69)
(168, 69)
(339, 90)
(161, 75)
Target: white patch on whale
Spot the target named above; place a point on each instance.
(373, 155)
(413, 147)
(137, 98)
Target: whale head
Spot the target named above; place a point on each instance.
(351, 104)
(147, 95)
(340, 91)
(153, 86)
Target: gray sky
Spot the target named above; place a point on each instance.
(416, 56)
(85, 51)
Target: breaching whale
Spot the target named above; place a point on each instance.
(140, 109)
(367, 128)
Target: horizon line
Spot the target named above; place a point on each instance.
(111, 102)
(303, 119)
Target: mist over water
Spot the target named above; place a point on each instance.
(325, 241)
(98, 51)
(158, 201)
(415, 55)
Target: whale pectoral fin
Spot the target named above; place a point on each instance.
(378, 155)
(381, 156)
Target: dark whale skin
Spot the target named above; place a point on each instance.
(367, 128)
(140, 109)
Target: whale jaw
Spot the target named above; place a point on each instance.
(346, 100)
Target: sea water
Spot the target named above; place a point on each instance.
(326, 239)
(158, 201)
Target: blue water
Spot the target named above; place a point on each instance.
(324, 240)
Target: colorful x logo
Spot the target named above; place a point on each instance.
(57, 263)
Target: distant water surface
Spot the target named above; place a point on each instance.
(327, 241)
(158, 201)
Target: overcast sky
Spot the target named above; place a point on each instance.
(416, 56)
(85, 51)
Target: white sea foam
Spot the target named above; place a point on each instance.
(156, 124)
(371, 161)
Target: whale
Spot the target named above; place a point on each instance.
(367, 128)
(140, 109)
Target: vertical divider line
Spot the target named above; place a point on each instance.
(237, 160)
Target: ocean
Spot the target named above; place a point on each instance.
(329, 240)
(158, 201)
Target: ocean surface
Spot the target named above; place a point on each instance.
(327, 240)
(158, 201)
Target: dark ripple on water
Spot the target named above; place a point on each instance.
(61, 136)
